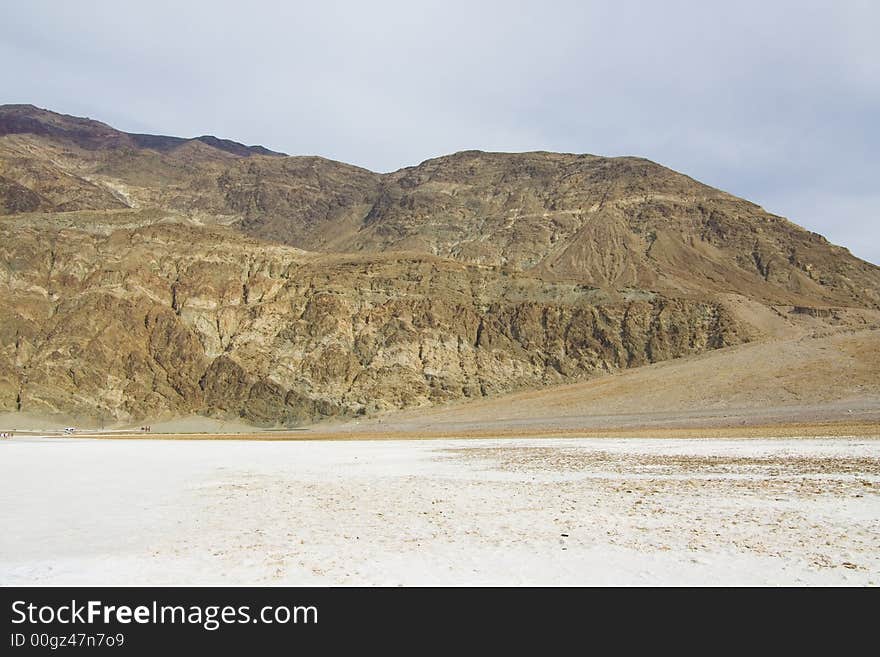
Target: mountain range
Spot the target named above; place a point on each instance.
(151, 277)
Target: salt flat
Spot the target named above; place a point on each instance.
(515, 511)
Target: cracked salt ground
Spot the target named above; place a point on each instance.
(548, 511)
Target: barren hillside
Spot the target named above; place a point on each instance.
(813, 376)
(147, 276)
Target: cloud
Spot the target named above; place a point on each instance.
(773, 101)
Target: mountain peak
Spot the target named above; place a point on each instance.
(94, 135)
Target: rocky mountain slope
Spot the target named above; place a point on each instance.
(174, 319)
(809, 374)
(143, 277)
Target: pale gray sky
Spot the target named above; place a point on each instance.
(775, 101)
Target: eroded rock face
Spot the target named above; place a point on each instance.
(147, 276)
(170, 320)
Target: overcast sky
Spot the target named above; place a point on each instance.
(775, 101)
